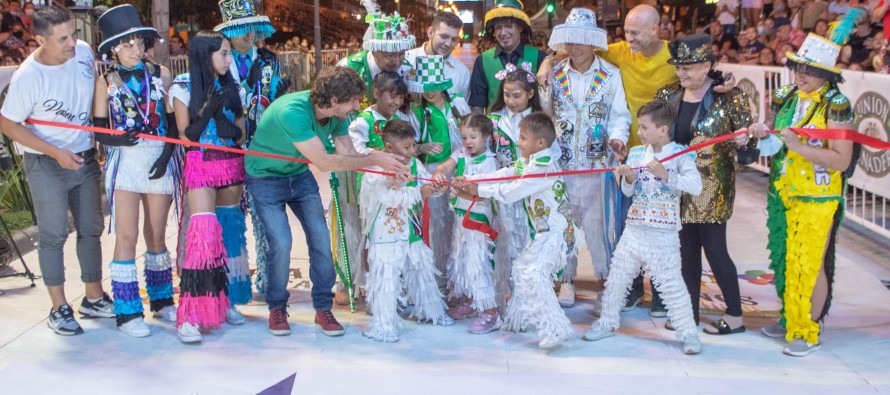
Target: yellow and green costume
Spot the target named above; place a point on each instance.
(805, 206)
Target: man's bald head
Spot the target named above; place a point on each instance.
(641, 27)
(645, 13)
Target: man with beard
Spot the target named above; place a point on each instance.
(511, 27)
(444, 35)
(642, 59)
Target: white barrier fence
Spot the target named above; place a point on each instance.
(868, 194)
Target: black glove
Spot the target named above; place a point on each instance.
(128, 139)
(226, 129)
(197, 126)
(255, 74)
(159, 168)
(213, 102)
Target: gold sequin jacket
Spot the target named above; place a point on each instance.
(718, 114)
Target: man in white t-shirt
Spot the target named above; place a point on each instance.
(444, 36)
(55, 84)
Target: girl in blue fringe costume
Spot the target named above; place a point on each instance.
(130, 97)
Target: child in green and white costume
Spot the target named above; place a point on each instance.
(385, 42)
(389, 92)
(436, 121)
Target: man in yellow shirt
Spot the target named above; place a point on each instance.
(642, 60)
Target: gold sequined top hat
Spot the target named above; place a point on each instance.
(691, 49)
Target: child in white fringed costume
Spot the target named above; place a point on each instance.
(397, 256)
(651, 238)
(517, 98)
(389, 92)
(436, 119)
(470, 271)
(549, 220)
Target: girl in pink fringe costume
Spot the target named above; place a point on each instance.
(208, 108)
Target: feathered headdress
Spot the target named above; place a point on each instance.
(817, 55)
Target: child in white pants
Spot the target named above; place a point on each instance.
(651, 238)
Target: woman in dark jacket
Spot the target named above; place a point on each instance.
(703, 114)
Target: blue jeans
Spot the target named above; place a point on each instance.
(299, 192)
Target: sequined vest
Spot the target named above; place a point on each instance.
(581, 122)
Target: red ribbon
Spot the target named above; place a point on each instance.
(843, 134)
(188, 143)
(828, 134)
(425, 222)
(479, 226)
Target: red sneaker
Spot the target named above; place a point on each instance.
(325, 321)
(278, 325)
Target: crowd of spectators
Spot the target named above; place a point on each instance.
(761, 32)
(16, 35)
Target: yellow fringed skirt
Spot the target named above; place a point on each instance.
(809, 228)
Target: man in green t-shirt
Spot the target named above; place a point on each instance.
(309, 125)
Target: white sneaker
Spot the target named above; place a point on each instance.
(775, 331)
(135, 328)
(550, 342)
(167, 313)
(234, 317)
(692, 345)
(801, 348)
(443, 320)
(597, 332)
(188, 333)
(566, 295)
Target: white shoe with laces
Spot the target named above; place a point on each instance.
(566, 296)
(234, 317)
(597, 332)
(692, 345)
(135, 328)
(550, 342)
(167, 313)
(188, 333)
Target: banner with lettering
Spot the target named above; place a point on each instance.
(869, 94)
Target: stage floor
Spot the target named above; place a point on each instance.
(643, 357)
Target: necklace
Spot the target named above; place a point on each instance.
(147, 88)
